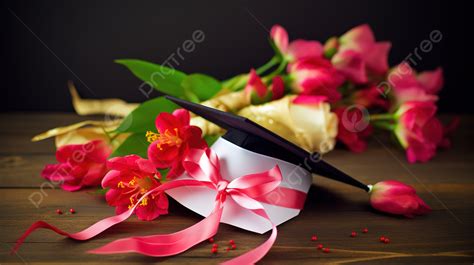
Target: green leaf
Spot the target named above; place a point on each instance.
(134, 144)
(142, 118)
(210, 139)
(98, 192)
(164, 79)
(203, 86)
(164, 173)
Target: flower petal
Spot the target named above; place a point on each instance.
(182, 116)
(166, 121)
(301, 49)
(280, 38)
(432, 81)
(351, 64)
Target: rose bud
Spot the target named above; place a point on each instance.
(257, 92)
(395, 197)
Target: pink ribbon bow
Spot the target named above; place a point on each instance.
(203, 167)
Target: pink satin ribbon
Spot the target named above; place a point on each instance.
(204, 169)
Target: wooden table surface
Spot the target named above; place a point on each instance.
(332, 209)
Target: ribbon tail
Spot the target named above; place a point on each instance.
(103, 224)
(167, 245)
(256, 254)
(86, 234)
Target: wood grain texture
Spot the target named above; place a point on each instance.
(332, 210)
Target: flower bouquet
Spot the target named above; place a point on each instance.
(309, 94)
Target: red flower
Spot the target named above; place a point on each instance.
(128, 179)
(176, 136)
(353, 128)
(315, 77)
(359, 54)
(257, 92)
(395, 197)
(418, 130)
(297, 49)
(80, 165)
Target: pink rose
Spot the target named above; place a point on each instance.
(80, 165)
(418, 130)
(358, 54)
(395, 197)
(408, 85)
(315, 77)
(128, 179)
(297, 49)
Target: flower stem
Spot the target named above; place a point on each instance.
(381, 117)
(277, 71)
(384, 125)
(238, 82)
(262, 69)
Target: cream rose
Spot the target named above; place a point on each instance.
(310, 126)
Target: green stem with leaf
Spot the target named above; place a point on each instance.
(238, 82)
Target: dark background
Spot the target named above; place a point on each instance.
(84, 37)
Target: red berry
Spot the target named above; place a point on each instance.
(234, 246)
(59, 211)
(314, 238)
(382, 239)
(231, 242)
(353, 234)
(211, 240)
(72, 211)
(214, 245)
(214, 250)
(320, 246)
(326, 250)
(365, 230)
(386, 240)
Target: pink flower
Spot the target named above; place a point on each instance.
(358, 54)
(297, 49)
(257, 92)
(128, 179)
(411, 86)
(418, 130)
(351, 64)
(80, 165)
(175, 138)
(353, 130)
(370, 97)
(315, 77)
(395, 197)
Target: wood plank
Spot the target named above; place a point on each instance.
(332, 210)
(324, 215)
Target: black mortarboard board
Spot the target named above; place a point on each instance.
(251, 136)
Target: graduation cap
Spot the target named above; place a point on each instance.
(247, 148)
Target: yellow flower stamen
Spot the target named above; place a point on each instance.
(144, 202)
(168, 137)
(151, 136)
(121, 185)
